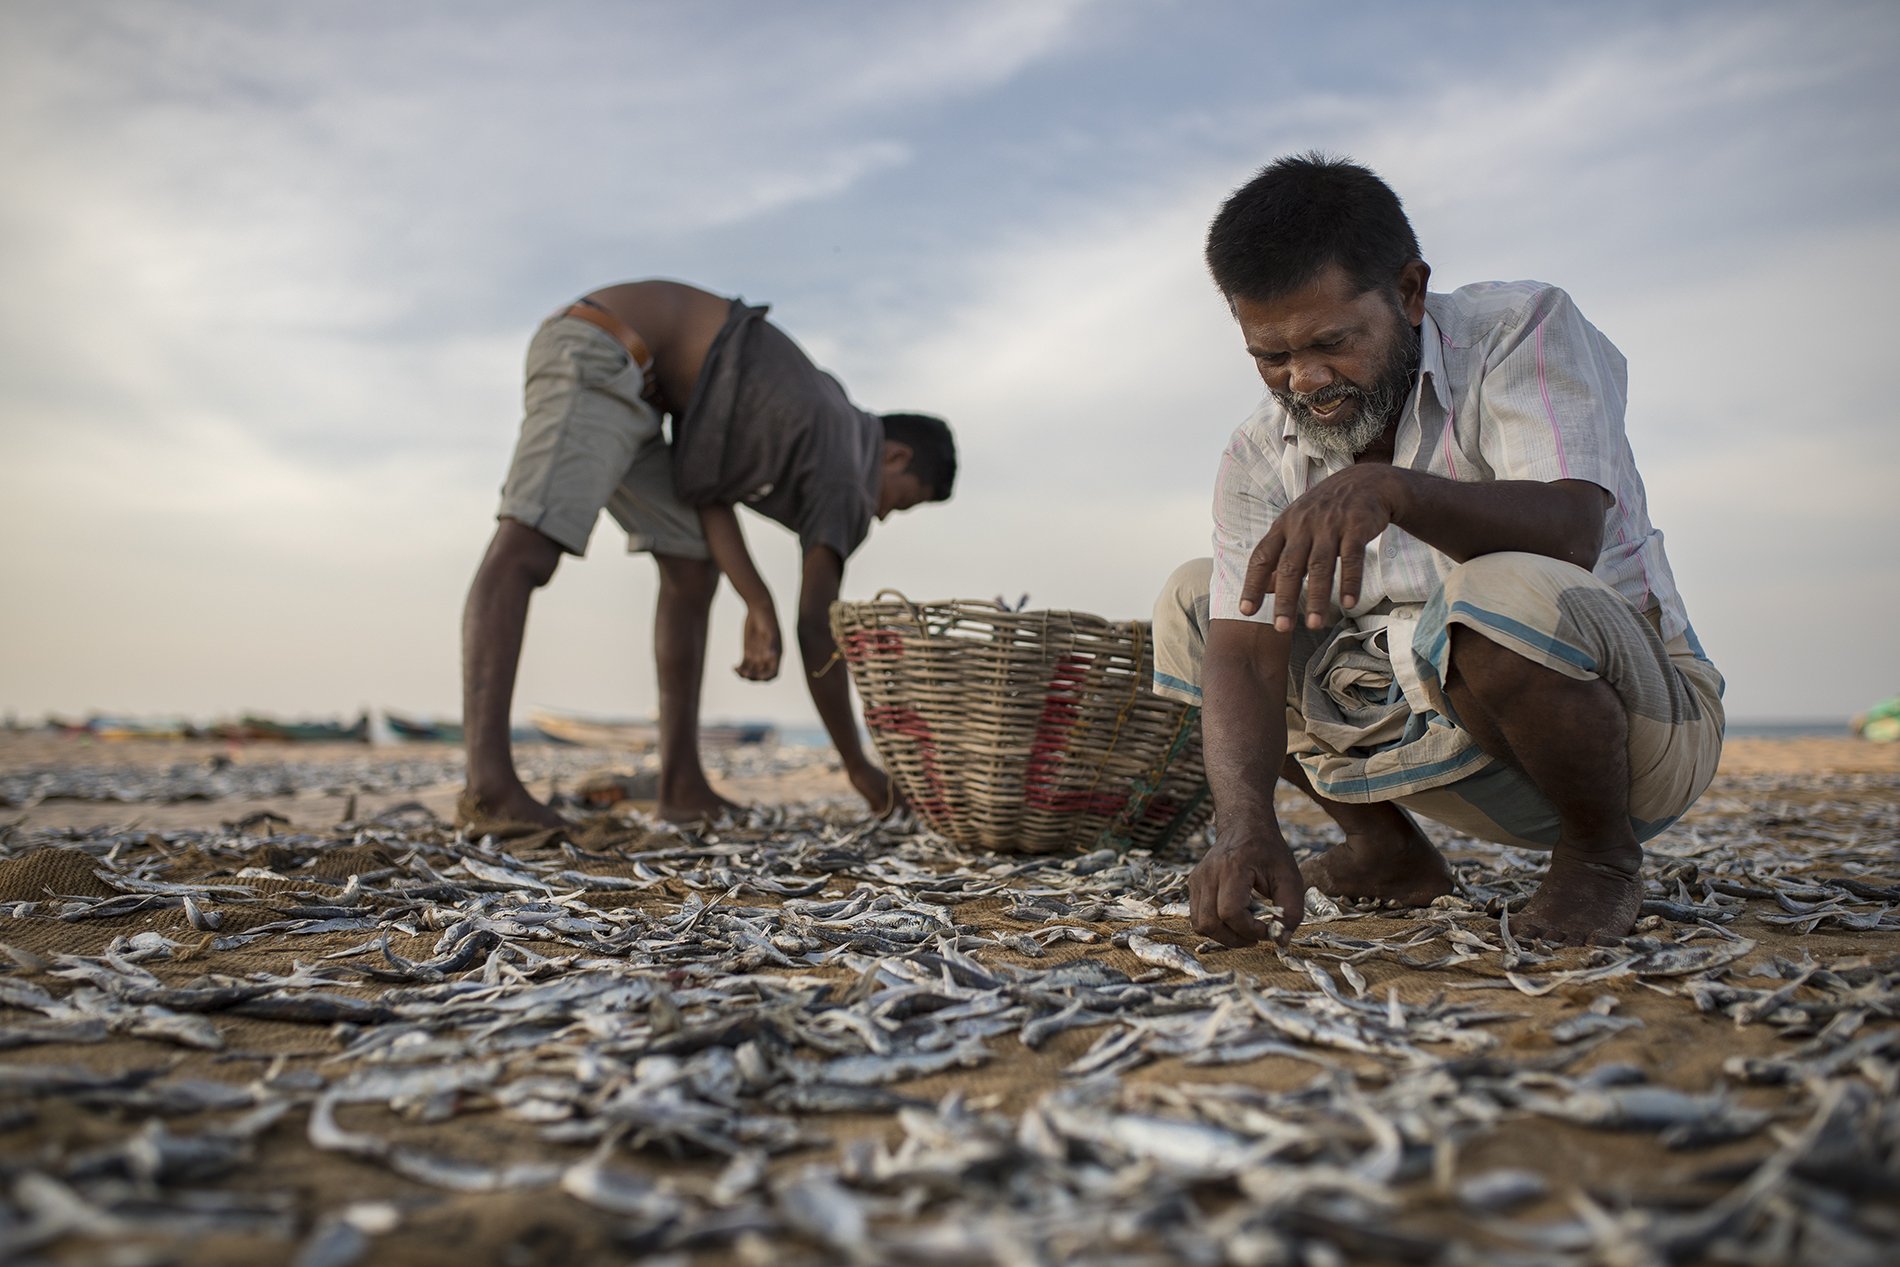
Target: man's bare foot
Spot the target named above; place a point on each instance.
(1405, 869)
(1584, 900)
(515, 806)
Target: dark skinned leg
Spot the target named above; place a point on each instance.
(1571, 740)
(687, 587)
(519, 561)
(1384, 854)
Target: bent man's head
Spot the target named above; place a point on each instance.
(920, 462)
(1321, 269)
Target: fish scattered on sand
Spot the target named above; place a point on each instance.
(624, 1001)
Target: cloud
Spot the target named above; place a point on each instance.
(271, 273)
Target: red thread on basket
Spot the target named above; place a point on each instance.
(1054, 728)
(872, 644)
(905, 722)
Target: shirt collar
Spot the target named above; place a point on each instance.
(1431, 360)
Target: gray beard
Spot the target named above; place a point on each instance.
(1378, 405)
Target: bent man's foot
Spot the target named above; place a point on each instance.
(1401, 868)
(1584, 900)
(496, 814)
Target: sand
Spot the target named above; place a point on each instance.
(1677, 1046)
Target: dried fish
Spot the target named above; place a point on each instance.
(720, 989)
(1164, 955)
(1497, 1190)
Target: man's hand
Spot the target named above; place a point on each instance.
(1329, 524)
(1221, 890)
(762, 645)
(876, 788)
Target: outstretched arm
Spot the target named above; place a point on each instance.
(763, 646)
(830, 681)
(1244, 729)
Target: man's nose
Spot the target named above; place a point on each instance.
(1309, 374)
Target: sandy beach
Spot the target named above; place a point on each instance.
(1805, 798)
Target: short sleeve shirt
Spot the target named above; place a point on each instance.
(769, 429)
(1514, 384)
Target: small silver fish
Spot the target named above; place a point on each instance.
(1166, 955)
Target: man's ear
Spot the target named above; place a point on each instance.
(897, 456)
(1412, 280)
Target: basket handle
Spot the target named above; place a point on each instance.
(908, 606)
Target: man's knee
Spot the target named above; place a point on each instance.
(524, 552)
(1182, 604)
(1180, 631)
(1479, 663)
(694, 580)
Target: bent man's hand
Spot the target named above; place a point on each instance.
(1328, 525)
(763, 647)
(877, 789)
(1221, 891)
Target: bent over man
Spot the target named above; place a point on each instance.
(1435, 587)
(754, 421)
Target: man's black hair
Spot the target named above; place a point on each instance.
(933, 451)
(1282, 228)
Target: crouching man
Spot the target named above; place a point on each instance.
(754, 421)
(1435, 587)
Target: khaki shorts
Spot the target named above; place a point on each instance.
(589, 442)
(1360, 738)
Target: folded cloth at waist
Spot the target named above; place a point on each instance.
(625, 335)
(1368, 720)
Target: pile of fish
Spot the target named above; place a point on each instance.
(217, 777)
(638, 997)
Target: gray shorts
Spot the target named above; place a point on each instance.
(589, 442)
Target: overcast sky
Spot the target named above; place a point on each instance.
(271, 271)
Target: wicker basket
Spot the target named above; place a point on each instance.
(1024, 731)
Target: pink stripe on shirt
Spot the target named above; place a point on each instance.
(1451, 424)
(1543, 385)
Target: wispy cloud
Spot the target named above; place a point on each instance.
(271, 273)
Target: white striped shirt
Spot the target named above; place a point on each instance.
(1521, 388)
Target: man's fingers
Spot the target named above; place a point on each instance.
(1352, 568)
(1319, 582)
(1286, 890)
(1287, 578)
(1234, 907)
(1260, 565)
(1205, 916)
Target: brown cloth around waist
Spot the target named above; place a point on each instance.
(626, 336)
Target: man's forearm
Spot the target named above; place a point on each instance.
(830, 684)
(825, 671)
(726, 542)
(1560, 520)
(1243, 722)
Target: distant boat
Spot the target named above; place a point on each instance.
(140, 728)
(639, 736)
(414, 730)
(269, 729)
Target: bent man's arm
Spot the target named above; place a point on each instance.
(1332, 522)
(830, 681)
(1243, 725)
(762, 647)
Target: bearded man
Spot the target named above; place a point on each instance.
(1435, 588)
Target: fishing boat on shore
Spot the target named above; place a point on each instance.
(422, 730)
(252, 728)
(637, 735)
